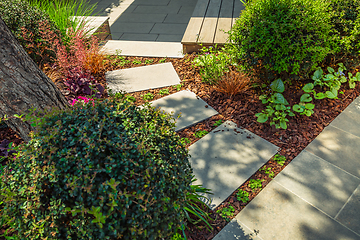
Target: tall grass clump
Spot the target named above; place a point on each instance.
(282, 38)
(61, 12)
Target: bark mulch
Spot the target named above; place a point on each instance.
(240, 109)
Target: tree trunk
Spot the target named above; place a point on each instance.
(23, 85)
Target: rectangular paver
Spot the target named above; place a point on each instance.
(133, 27)
(144, 48)
(278, 214)
(169, 28)
(142, 78)
(349, 119)
(235, 230)
(350, 214)
(318, 182)
(339, 148)
(157, 9)
(138, 37)
(226, 157)
(169, 38)
(142, 17)
(186, 103)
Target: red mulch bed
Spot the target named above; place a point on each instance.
(240, 109)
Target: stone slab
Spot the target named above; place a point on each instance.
(226, 157)
(318, 182)
(138, 37)
(235, 230)
(349, 119)
(350, 214)
(142, 78)
(178, 18)
(276, 213)
(192, 108)
(133, 27)
(144, 49)
(169, 38)
(339, 148)
(169, 28)
(157, 9)
(142, 17)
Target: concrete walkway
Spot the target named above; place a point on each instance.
(317, 196)
(147, 20)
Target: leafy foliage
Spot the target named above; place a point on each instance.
(242, 196)
(213, 63)
(227, 212)
(282, 36)
(80, 83)
(346, 25)
(109, 171)
(32, 27)
(277, 109)
(280, 159)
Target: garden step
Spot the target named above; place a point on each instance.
(143, 48)
(226, 157)
(192, 108)
(278, 213)
(142, 78)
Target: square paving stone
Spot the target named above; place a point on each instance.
(226, 157)
(318, 182)
(169, 28)
(235, 230)
(192, 108)
(277, 214)
(127, 27)
(339, 148)
(141, 18)
(144, 48)
(350, 214)
(349, 119)
(142, 78)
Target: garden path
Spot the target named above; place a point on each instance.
(317, 196)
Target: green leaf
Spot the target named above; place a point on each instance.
(263, 98)
(308, 112)
(343, 79)
(298, 108)
(277, 86)
(331, 70)
(330, 95)
(309, 106)
(305, 98)
(261, 117)
(317, 74)
(320, 95)
(352, 84)
(280, 107)
(358, 76)
(279, 99)
(283, 124)
(308, 87)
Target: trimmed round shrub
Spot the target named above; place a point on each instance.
(32, 27)
(275, 37)
(108, 171)
(346, 25)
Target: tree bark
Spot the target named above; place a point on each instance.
(23, 85)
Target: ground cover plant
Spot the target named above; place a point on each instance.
(311, 114)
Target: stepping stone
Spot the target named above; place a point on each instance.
(142, 78)
(192, 108)
(143, 48)
(318, 182)
(98, 26)
(338, 147)
(226, 157)
(277, 213)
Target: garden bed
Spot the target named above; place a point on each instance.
(240, 109)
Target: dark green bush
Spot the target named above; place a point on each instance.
(346, 24)
(108, 171)
(274, 37)
(32, 27)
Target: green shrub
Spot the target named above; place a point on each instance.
(346, 25)
(32, 27)
(275, 37)
(108, 171)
